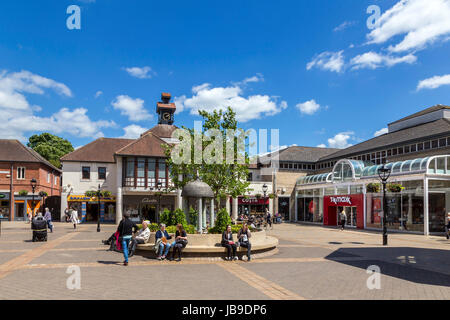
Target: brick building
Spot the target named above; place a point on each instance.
(18, 165)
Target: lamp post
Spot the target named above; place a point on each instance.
(384, 174)
(33, 183)
(264, 189)
(99, 194)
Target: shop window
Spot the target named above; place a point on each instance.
(413, 148)
(86, 173)
(102, 173)
(426, 145)
(442, 142)
(434, 144)
(20, 173)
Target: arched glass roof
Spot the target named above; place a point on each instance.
(348, 170)
(317, 178)
(433, 165)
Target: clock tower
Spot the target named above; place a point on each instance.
(165, 109)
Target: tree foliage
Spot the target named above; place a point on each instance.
(51, 147)
(226, 178)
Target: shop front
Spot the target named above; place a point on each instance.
(352, 205)
(145, 207)
(252, 205)
(88, 208)
(4, 206)
(417, 195)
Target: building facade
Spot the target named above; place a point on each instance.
(415, 149)
(18, 166)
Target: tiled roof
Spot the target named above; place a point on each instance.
(100, 150)
(148, 145)
(302, 154)
(162, 130)
(416, 133)
(14, 151)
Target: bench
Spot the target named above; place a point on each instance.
(210, 243)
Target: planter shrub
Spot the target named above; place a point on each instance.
(373, 188)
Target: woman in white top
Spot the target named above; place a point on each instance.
(74, 218)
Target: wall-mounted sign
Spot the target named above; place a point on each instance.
(148, 200)
(89, 199)
(340, 200)
(253, 200)
(4, 196)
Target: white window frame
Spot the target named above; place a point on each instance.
(48, 177)
(19, 170)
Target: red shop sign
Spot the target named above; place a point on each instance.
(253, 200)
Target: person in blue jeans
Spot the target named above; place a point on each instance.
(48, 218)
(126, 229)
(163, 245)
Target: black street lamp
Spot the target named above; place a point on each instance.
(99, 194)
(264, 189)
(33, 183)
(158, 194)
(384, 174)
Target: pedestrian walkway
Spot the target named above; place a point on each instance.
(312, 262)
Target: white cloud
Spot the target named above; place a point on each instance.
(140, 72)
(373, 60)
(132, 108)
(206, 97)
(18, 114)
(332, 61)
(380, 132)
(434, 82)
(309, 107)
(421, 22)
(133, 131)
(321, 145)
(344, 25)
(98, 94)
(340, 140)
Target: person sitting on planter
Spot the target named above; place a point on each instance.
(162, 244)
(180, 241)
(227, 242)
(143, 234)
(244, 236)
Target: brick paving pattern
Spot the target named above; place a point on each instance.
(311, 263)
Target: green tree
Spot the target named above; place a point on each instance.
(51, 147)
(225, 177)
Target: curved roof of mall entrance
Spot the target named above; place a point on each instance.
(347, 170)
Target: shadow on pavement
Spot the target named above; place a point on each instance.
(406, 263)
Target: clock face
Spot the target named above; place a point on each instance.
(166, 116)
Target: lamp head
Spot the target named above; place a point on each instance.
(33, 183)
(264, 188)
(384, 173)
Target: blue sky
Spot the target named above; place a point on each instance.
(312, 69)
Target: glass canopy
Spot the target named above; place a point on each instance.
(349, 170)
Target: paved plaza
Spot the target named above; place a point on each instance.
(311, 262)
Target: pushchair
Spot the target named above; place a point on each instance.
(39, 227)
(115, 245)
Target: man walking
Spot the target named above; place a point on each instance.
(48, 218)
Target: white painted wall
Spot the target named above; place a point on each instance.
(73, 184)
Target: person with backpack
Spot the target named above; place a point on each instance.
(126, 229)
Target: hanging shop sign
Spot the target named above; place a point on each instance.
(4, 196)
